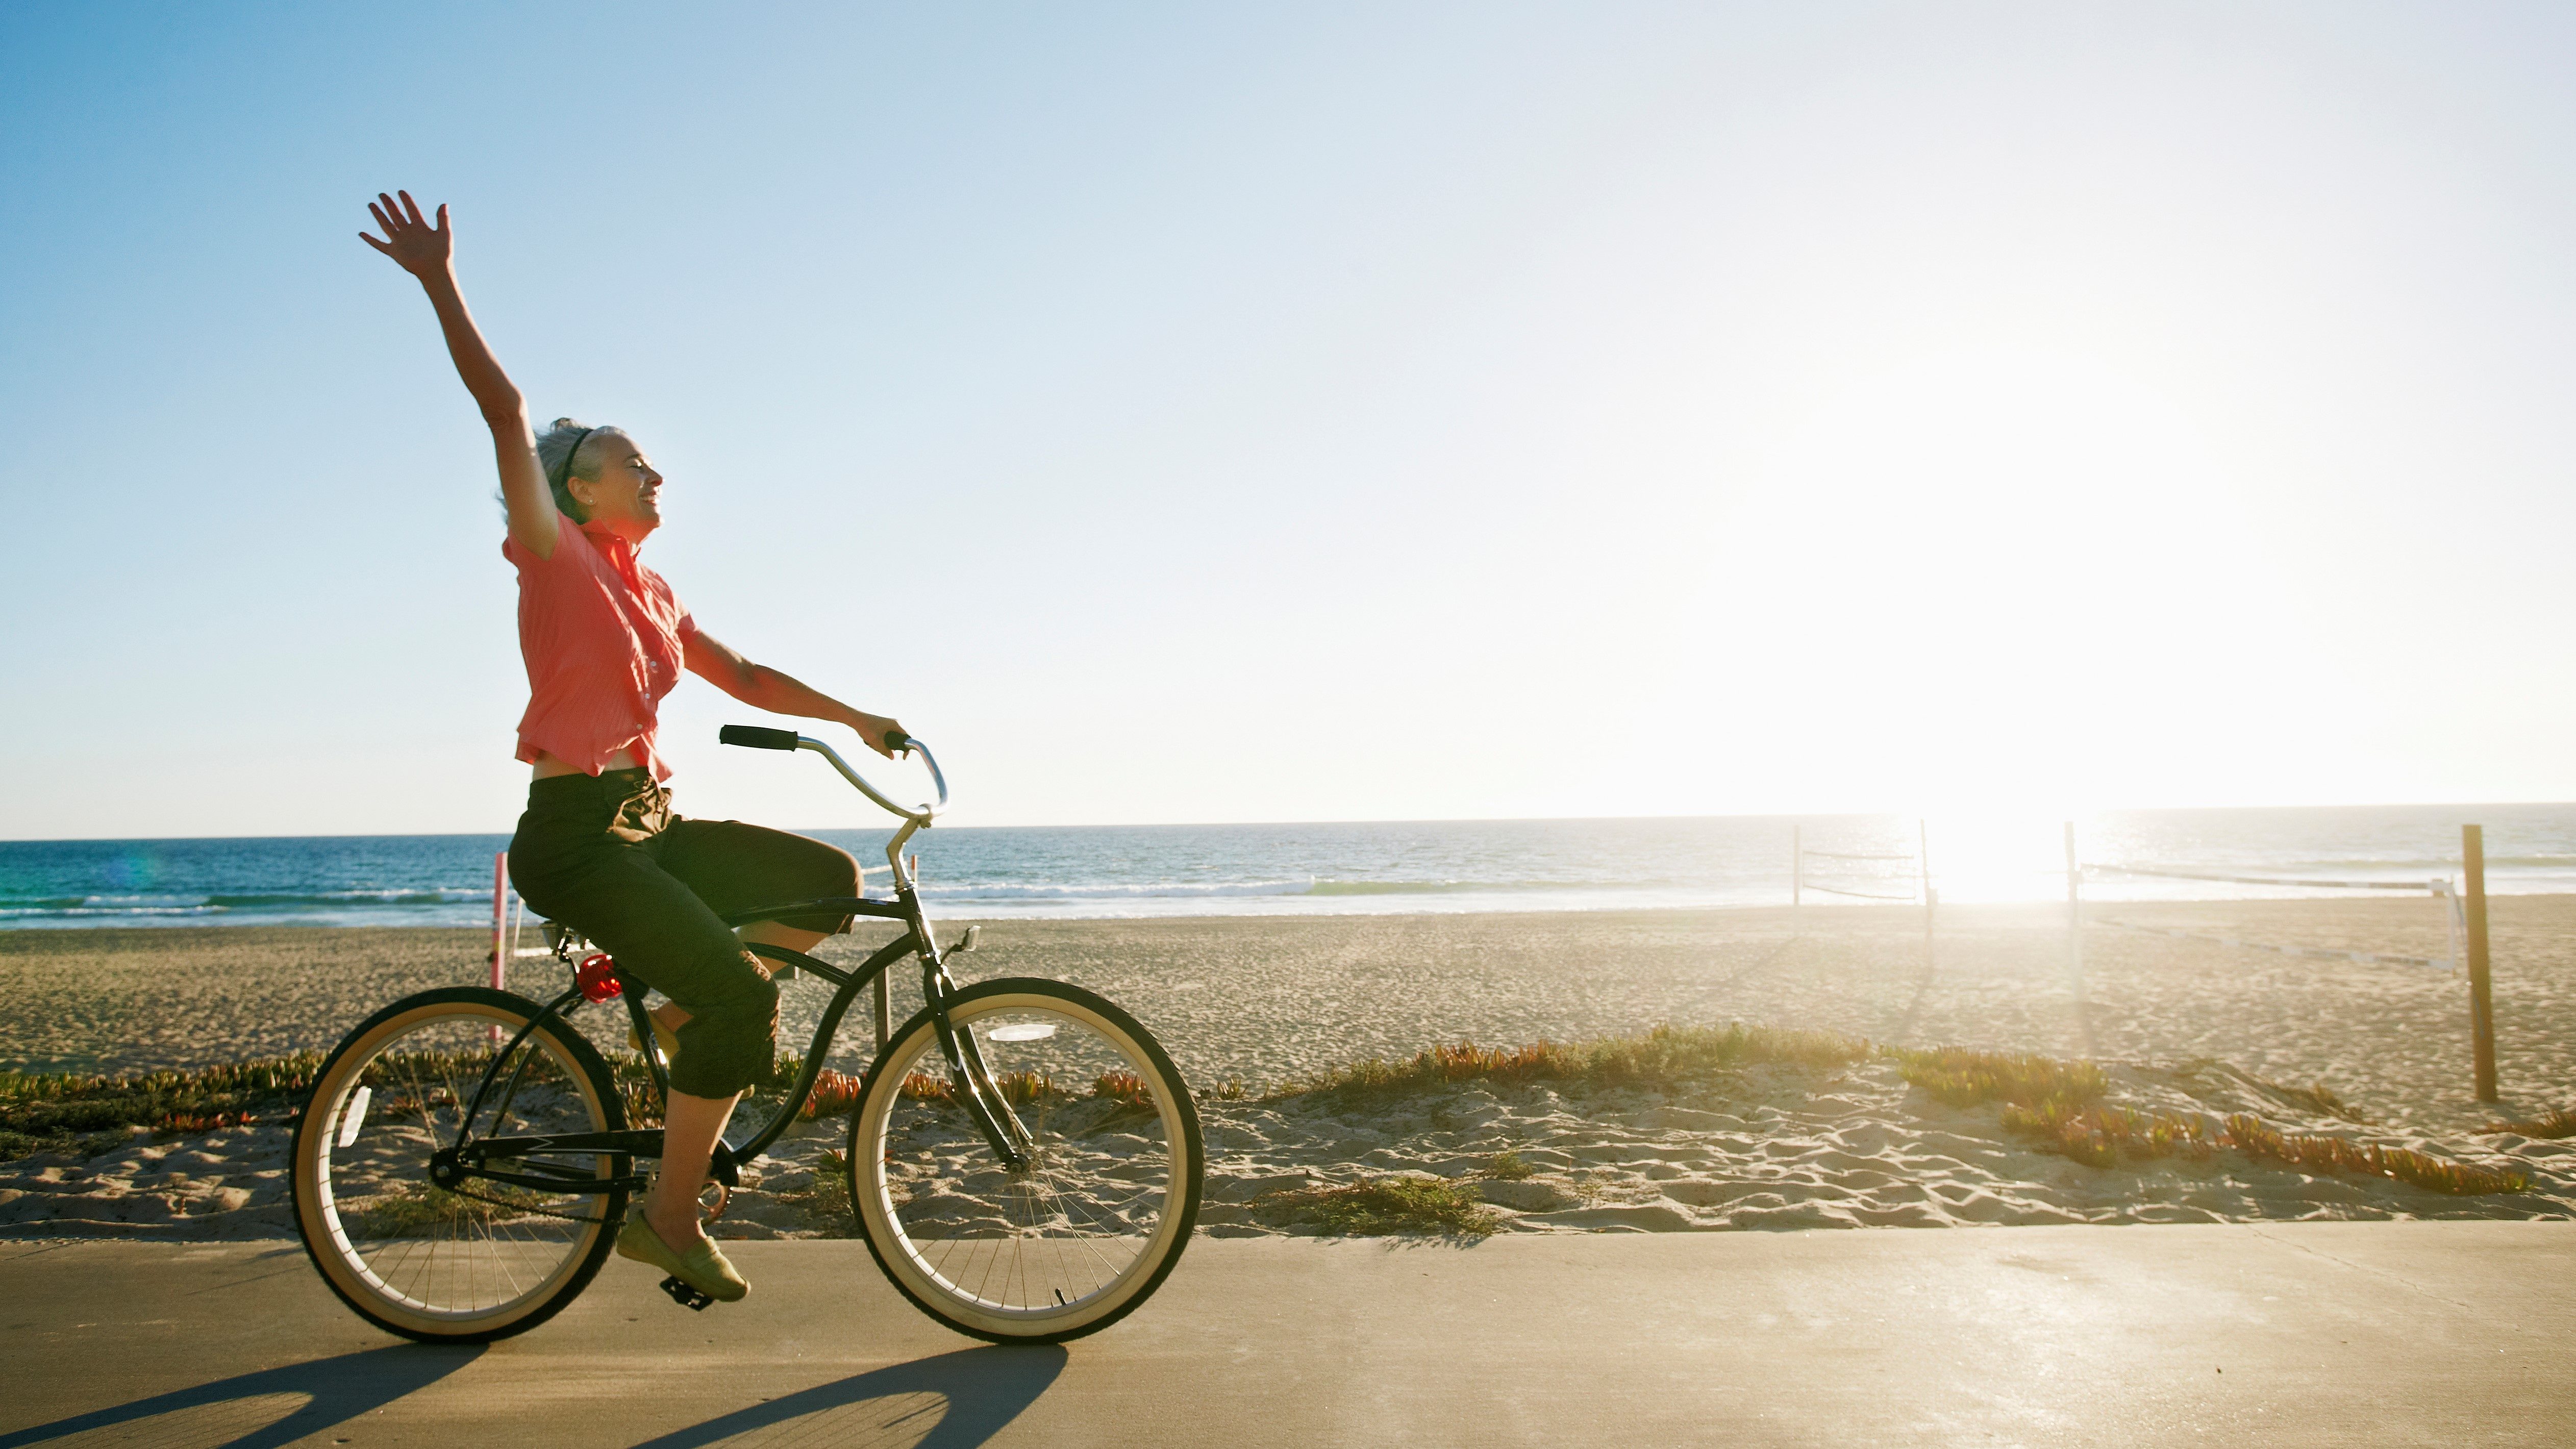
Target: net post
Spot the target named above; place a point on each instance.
(2473, 873)
(1923, 872)
(2074, 915)
(1797, 877)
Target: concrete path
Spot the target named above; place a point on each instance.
(2324, 1333)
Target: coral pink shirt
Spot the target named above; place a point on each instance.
(603, 638)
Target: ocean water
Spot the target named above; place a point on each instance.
(1382, 867)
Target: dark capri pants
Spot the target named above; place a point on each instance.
(604, 855)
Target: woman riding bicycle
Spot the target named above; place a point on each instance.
(599, 849)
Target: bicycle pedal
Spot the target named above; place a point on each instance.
(686, 1296)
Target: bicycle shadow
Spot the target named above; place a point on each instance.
(952, 1401)
(260, 1410)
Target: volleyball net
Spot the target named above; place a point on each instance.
(1848, 865)
(1863, 876)
(2441, 890)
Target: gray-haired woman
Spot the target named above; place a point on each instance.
(599, 848)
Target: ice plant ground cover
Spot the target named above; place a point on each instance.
(1673, 1128)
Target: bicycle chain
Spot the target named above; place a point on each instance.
(522, 1207)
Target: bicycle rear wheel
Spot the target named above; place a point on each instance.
(1091, 1226)
(482, 1261)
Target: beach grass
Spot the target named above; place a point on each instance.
(1382, 1207)
(1663, 1057)
(835, 1094)
(1964, 1078)
(636, 1091)
(2249, 1134)
(828, 1200)
(2110, 1136)
(1508, 1166)
(2107, 1136)
(53, 1111)
(2551, 1125)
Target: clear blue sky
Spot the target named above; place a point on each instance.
(1217, 413)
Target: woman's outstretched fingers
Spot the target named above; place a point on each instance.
(415, 245)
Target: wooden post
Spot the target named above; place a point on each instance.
(500, 913)
(883, 1004)
(1797, 869)
(500, 918)
(2473, 871)
(2074, 915)
(1923, 869)
(1923, 879)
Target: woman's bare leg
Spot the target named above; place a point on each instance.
(692, 1125)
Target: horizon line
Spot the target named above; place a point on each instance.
(1785, 816)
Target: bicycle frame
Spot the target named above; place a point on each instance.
(985, 1105)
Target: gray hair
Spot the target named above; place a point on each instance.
(559, 455)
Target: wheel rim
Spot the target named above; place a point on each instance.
(1051, 1247)
(424, 1256)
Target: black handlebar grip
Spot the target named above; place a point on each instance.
(757, 737)
(896, 742)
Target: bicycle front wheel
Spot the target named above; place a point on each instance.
(482, 1260)
(1081, 1234)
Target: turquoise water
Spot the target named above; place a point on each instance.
(1372, 867)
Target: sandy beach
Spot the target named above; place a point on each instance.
(2181, 1026)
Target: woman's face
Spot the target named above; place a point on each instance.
(625, 493)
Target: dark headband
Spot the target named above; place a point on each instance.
(568, 457)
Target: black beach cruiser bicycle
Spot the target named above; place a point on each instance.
(1022, 1158)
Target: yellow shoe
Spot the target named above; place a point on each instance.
(670, 1040)
(703, 1267)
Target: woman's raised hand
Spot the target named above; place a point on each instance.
(424, 251)
(415, 245)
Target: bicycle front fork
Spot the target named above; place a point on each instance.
(990, 1110)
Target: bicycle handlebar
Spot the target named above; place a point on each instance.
(757, 737)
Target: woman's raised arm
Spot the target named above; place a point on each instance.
(426, 251)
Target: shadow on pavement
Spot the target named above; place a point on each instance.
(954, 1401)
(256, 1411)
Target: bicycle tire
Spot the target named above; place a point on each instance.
(381, 1199)
(936, 1197)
